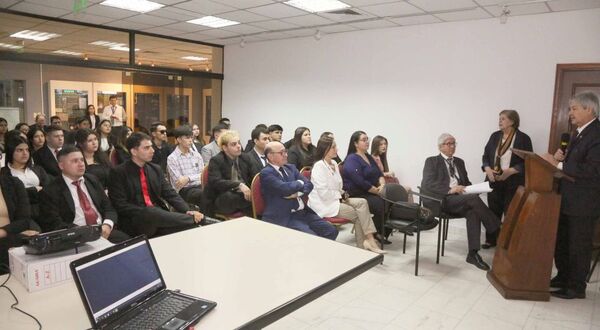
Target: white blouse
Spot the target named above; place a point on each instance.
(29, 178)
(327, 182)
(104, 146)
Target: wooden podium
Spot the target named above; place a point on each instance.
(522, 264)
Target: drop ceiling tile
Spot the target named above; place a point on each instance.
(88, 18)
(243, 4)
(415, 20)
(375, 24)
(61, 4)
(337, 28)
(274, 25)
(162, 30)
(307, 20)
(196, 36)
(174, 13)
(528, 9)
(302, 32)
(463, 15)
(204, 7)
(243, 16)
(277, 10)
(274, 35)
(498, 2)
(219, 33)
(230, 42)
(32, 8)
(151, 20)
(392, 9)
(442, 5)
(561, 5)
(361, 3)
(106, 11)
(250, 39)
(186, 27)
(243, 29)
(164, 2)
(7, 3)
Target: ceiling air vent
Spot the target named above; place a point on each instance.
(344, 12)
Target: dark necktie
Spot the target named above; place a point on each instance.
(285, 176)
(263, 160)
(91, 217)
(144, 184)
(452, 168)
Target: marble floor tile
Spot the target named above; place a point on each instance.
(417, 317)
(476, 320)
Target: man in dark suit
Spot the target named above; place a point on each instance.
(162, 148)
(46, 157)
(260, 138)
(230, 174)
(282, 186)
(580, 204)
(137, 189)
(445, 176)
(77, 199)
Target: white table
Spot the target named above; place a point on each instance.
(256, 272)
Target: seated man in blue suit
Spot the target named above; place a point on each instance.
(281, 187)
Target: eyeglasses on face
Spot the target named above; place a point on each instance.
(450, 144)
(163, 131)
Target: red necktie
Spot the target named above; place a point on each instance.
(91, 217)
(144, 184)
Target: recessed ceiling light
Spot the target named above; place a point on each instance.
(141, 6)
(107, 43)
(35, 35)
(317, 6)
(10, 46)
(213, 22)
(66, 52)
(122, 48)
(194, 58)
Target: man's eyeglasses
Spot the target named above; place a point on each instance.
(163, 131)
(450, 144)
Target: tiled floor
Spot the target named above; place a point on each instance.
(449, 295)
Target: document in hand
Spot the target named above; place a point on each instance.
(478, 188)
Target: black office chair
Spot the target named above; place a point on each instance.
(406, 217)
(436, 205)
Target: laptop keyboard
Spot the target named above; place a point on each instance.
(159, 313)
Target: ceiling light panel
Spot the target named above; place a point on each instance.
(66, 52)
(9, 46)
(107, 43)
(35, 35)
(123, 48)
(213, 22)
(194, 58)
(140, 6)
(317, 6)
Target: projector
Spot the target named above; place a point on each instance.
(60, 240)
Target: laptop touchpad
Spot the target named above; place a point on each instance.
(173, 324)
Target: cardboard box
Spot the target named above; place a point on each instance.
(38, 272)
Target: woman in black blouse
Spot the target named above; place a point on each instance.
(96, 162)
(302, 151)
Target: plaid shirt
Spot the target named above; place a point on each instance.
(190, 165)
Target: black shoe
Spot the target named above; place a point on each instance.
(382, 240)
(557, 283)
(568, 294)
(475, 259)
(491, 240)
(488, 245)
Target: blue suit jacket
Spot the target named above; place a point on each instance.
(274, 189)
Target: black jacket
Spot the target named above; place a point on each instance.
(125, 190)
(161, 155)
(17, 204)
(58, 207)
(44, 158)
(32, 192)
(219, 174)
(436, 179)
(254, 159)
(522, 141)
(582, 162)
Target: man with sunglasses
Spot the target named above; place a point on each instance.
(161, 147)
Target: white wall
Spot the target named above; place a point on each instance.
(411, 83)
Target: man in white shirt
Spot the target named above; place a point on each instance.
(185, 167)
(77, 199)
(114, 112)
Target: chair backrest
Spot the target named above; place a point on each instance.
(258, 203)
(204, 182)
(306, 172)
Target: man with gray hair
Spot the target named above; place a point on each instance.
(580, 204)
(445, 177)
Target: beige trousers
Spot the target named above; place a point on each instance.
(357, 211)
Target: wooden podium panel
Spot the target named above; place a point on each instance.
(524, 255)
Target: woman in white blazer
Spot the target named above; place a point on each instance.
(328, 199)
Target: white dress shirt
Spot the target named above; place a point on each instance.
(118, 111)
(28, 177)
(453, 180)
(79, 216)
(327, 182)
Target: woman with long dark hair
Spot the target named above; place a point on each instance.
(328, 199)
(105, 138)
(96, 162)
(3, 130)
(363, 179)
(120, 153)
(379, 149)
(302, 151)
(20, 165)
(36, 138)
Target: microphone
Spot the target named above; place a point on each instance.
(564, 141)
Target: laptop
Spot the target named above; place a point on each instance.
(122, 287)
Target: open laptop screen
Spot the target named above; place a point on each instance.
(113, 282)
